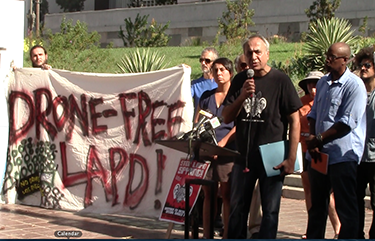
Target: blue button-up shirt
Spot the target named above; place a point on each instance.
(198, 87)
(343, 100)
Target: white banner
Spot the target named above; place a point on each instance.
(81, 141)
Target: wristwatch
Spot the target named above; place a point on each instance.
(319, 138)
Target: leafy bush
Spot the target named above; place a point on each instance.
(138, 62)
(133, 30)
(72, 37)
(231, 47)
(322, 35)
(235, 22)
(137, 34)
(73, 48)
(277, 39)
(296, 68)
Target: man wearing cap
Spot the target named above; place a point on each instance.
(308, 85)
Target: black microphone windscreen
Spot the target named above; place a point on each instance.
(250, 73)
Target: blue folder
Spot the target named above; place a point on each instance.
(275, 153)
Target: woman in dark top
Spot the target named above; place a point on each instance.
(221, 167)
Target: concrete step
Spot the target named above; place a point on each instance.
(293, 189)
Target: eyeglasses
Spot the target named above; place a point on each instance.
(207, 61)
(366, 65)
(334, 57)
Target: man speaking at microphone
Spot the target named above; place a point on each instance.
(262, 106)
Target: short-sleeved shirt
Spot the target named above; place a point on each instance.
(198, 87)
(343, 100)
(275, 99)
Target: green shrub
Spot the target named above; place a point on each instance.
(231, 48)
(323, 33)
(73, 48)
(276, 39)
(137, 34)
(138, 62)
(235, 22)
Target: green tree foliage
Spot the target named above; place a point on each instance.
(322, 34)
(73, 47)
(139, 62)
(133, 30)
(138, 34)
(71, 5)
(364, 26)
(234, 23)
(322, 9)
(363, 40)
(296, 68)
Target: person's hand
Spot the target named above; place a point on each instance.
(313, 147)
(312, 142)
(286, 167)
(221, 144)
(315, 155)
(248, 88)
(46, 66)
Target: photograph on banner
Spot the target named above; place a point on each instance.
(174, 206)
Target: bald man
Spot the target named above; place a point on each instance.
(338, 128)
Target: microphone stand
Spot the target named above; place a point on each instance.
(193, 151)
(248, 133)
(250, 75)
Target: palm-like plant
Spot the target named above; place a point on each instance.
(141, 61)
(322, 35)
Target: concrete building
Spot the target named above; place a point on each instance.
(192, 19)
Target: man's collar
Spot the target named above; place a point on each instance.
(342, 78)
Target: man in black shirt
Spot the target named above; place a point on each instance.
(262, 108)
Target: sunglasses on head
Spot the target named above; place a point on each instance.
(207, 61)
(366, 65)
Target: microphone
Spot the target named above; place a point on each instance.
(207, 132)
(250, 75)
(206, 115)
(213, 123)
(195, 129)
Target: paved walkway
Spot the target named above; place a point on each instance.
(26, 222)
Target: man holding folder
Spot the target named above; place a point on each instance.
(337, 128)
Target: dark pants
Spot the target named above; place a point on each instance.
(365, 175)
(341, 178)
(242, 187)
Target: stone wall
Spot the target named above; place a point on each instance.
(200, 19)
